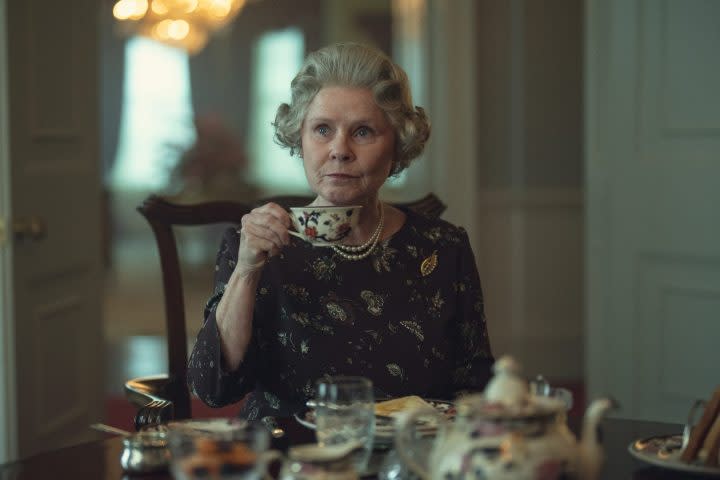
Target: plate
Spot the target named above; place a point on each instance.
(210, 425)
(385, 426)
(664, 451)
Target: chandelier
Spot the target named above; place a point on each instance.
(186, 24)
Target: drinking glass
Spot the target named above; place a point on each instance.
(541, 387)
(219, 449)
(345, 413)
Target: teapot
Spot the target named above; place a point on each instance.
(506, 432)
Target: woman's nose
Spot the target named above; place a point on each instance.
(340, 149)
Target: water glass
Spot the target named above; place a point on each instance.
(345, 413)
(227, 450)
(541, 387)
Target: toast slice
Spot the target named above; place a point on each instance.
(702, 429)
(711, 445)
(393, 406)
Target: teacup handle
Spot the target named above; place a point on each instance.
(403, 442)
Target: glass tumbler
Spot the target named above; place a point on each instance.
(221, 450)
(345, 413)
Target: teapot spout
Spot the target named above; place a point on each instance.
(590, 450)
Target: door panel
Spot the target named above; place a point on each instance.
(653, 164)
(55, 179)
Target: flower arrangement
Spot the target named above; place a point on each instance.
(216, 162)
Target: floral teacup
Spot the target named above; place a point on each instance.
(324, 226)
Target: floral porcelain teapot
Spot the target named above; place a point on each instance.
(505, 433)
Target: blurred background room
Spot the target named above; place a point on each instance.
(198, 126)
(571, 139)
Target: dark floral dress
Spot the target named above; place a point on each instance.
(410, 317)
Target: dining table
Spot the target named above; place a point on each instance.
(100, 459)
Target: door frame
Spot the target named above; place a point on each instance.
(452, 91)
(8, 407)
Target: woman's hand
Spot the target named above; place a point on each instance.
(263, 233)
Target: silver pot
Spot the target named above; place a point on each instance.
(145, 452)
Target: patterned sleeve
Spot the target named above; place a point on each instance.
(208, 377)
(473, 357)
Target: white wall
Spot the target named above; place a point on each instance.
(505, 81)
(531, 265)
(529, 175)
(451, 154)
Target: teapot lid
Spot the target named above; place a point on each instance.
(507, 395)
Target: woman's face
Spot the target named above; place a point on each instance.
(348, 146)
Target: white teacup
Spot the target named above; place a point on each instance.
(324, 226)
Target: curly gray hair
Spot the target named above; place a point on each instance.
(356, 65)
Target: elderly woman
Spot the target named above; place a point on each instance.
(399, 301)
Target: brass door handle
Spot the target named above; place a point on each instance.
(30, 228)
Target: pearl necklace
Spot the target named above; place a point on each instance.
(350, 252)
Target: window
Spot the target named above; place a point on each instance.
(157, 115)
(277, 56)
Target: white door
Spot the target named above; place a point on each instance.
(653, 193)
(54, 279)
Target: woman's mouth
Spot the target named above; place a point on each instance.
(340, 176)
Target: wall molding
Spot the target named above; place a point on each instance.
(537, 321)
(545, 355)
(47, 319)
(453, 86)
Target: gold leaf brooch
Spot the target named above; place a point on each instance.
(428, 265)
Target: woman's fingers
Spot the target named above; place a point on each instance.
(276, 211)
(273, 227)
(253, 252)
(273, 217)
(263, 233)
(259, 239)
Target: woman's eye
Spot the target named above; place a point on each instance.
(363, 132)
(322, 130)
